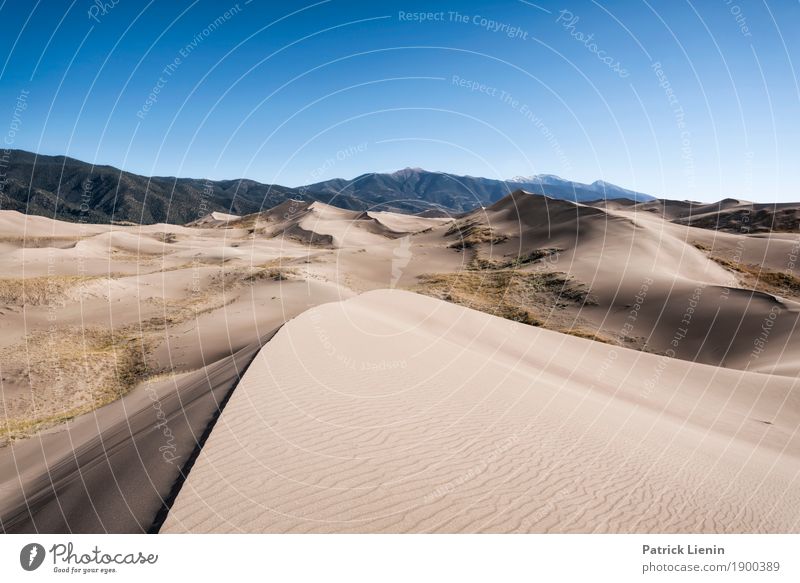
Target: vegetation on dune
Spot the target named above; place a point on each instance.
(65, 372)
(39, 291)
(747, 220)
(250, 222)
(757, 277)
(587, 334)
(504, 287)
(165, 237)
(235, 277)
(41, 242)
(533, 298)
(783, 283)
(82, 368)
(472, 233)
(479, 263)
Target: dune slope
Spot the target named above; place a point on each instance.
(393, 412)
(112, 470)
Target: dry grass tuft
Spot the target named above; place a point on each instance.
(521, 296)
(39, 291)
(472, 233)
(587, 334)
(783, 284)
(41, 242)
(81, 368)
(165, 237)
(56, 375)
(479, 263)
(240, 276)
(756, 277)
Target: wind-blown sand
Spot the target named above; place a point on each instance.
(392, 412)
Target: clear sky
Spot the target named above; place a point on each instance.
(679, 99)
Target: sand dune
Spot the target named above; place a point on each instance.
(215, 219)
(406, 224)
(85, 323)
(113, 470)
(392, 412)
(324, 225)
(389, 411)
(727, 215)
(708, 289)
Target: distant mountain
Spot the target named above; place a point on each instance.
(72, 190)
(415, 190)
(557, 187)
(68, 189)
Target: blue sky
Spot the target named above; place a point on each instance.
(697, 100)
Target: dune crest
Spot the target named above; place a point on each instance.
(392, 412)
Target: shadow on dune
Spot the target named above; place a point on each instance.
(119, 468)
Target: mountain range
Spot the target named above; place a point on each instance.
(72, 190)
(415, 189)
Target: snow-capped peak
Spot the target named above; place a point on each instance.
(539, 178)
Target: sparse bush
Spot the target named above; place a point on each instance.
(521, 296)
(472, 233)
(39, 291)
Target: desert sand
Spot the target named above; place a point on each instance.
(115, 470)
(393, 412)
(534, 366)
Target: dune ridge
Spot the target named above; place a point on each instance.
(485, 425)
